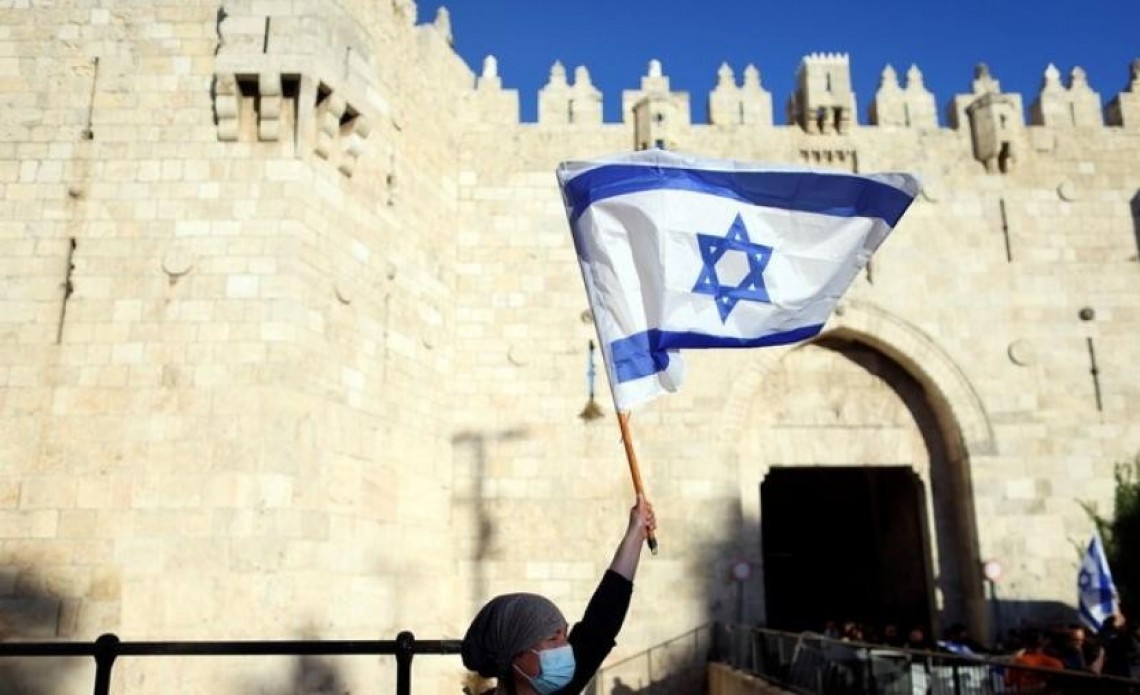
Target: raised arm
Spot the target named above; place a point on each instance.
(628, 553)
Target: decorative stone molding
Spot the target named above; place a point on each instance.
(342, 290)
(847, 160)
(518, 355)
(1021, 353)
(907, 345)
(995, 118)
(177, 261)
(305, 76)
(931, 191)
(329, 112)
(227, 106)
(269, 110)
(340, 130)
(358, 132)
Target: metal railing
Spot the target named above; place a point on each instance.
(813, 664)
(677, 665)
(108, 648)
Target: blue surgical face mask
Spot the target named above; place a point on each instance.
(556, 670)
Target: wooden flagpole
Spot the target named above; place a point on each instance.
(634, 471)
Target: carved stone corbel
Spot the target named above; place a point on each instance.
(227, 106)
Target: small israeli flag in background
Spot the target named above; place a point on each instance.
(1096, 593)
(680, 252)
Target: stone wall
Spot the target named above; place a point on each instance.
(220, 420)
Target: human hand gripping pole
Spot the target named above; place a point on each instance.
(629, 550)
(635, 473)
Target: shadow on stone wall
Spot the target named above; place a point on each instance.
(472, 447)
(677, 663)
(310, 675)
(29, 613)
(1020, 615)
(689, 681)
(1136, 222)
(313, 675)
(727, 600)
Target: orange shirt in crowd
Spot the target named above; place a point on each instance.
(1024, 678)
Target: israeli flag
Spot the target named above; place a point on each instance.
(680, 252)
(1096, 593)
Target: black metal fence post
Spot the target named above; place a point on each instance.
(405, 650)
(106, 649)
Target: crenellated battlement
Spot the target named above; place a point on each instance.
(824, 104)
(823, 87)
(911, 106)
(308, 77)
(578, 103)
(1124, 109)
(1072, 105)
(746, 105)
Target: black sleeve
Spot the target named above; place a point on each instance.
(594, 637)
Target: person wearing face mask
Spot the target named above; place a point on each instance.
(524, 641)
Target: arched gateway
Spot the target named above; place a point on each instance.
(855, 474)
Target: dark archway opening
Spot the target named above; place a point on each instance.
(845, 544)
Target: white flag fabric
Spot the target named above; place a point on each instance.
(1096, 593)
(682, 252)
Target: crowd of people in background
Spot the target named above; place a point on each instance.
(1114, 651)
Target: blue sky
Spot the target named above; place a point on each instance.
(615, 39)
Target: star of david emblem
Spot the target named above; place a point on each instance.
(1084, 579)
(751, 286)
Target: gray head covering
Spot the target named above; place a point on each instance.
(506, 626)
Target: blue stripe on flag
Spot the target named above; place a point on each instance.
(1090, 619)
(1096, 592)
(645, 353)
(1104, 575)
(838, 195)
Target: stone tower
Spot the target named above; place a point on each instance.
(659, 116)
(823, 102)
